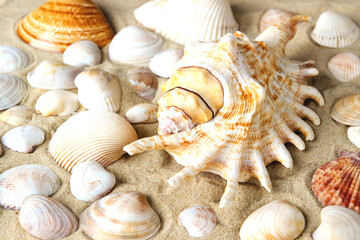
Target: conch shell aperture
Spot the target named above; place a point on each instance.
(242, 126)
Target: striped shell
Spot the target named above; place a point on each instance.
(57, 102)
(274, 16)
(345, 67)
(12, 59)
(18, 115)
(82, 53)
(347, 110)
(13, 90)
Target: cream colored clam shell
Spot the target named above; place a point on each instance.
(12, 59)
(26, 180)
(347, 110)
(338, 223)
(142, 113)
(353, 134)
(45, 218)
(164, 63)
(98, 89)
(82, 53)
(345, 66)
(12, 91)
(90, 181)
(57, 102)
(277, 220)
(96, 135)
(143, 81)
(18, 115)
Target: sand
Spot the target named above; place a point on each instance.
(148, 172)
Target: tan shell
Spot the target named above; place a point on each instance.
(82, 53)
(142, 113)
(96, 135)
(57, 103)
(12, 59)
(353, 134)
(45, 218)
(143, 82)
(345, 67)
(13, 90)
(274, 16)
(18, 115)
(124, 215)
(347, 110)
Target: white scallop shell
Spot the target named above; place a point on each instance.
(18, 115)
(19, 182)
(57, 102)
(164, 63)
(274, 16)
(98, 89)
(53, 75)
(335, 30)
(199, 221)
(24, 138)
(46, 218)
(142, 113)
(12, 91)
(90, 181)
(143, 81)
(345, 66)
(82, 53)
(12, 59)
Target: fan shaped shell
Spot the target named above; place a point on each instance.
(12, 91)
(347, 110)
(12, 59)
(274, 16)
(57, 102)
(82, 53)
(18, 115)
(345, 67)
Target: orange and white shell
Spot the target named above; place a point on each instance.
(57, 103)
(274, 16)
(18, 115)
(231, 105)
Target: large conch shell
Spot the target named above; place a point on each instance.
(240, 125)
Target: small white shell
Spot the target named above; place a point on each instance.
(12, 59)
(82, 53)
(199, 221)
(57, 102)
(19, 182)
(338, 223)
(134, 45)
(164, 63)
(274, 16)
(12, 91)
(90, 181)
(353, 134)
(18, 115)
(24, 138)
(143, 81)
(142, 113)
(98, 89)
(345, 66)
(53, 75)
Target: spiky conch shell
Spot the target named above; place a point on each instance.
(263, 101)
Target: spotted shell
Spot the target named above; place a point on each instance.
(347, 110)
(13, 90)
(12, 59)
(18, 115)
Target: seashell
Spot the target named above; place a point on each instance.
(337, 182)
(345, 67)
(1, 151)
(335, 30)
(12, 59)
(58, 23)
(199, 221)
(274, 16)
(53, 75)
(142, 113)
(46, 218)
(18, 115)
(143, 81)
(124, 215)
(12, 91)
(277, 220)
(134, 45)
(98, 89)
(338, 223)
(23, 139)
(347, 110)
(95, 135)
(82, 53)
(57, 102)
(19, 182)
(353, 134)
(164, 63)
(253, 96)
(185, 21)
(90, 181)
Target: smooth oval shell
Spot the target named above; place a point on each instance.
(12, 91)
(199, 221)
(57, 102)
(19, 182)
(12, 59)
(345, 66)
(337, 182)
(45, 218)
(142, 113)
(164, 63)
(124, 215)
(347, 110)
(274, 16)
(143, 81)
(90, 181)
(353, 134)
(23, 139)
(18, 115)
(96, 135)
(82, 53)
(277, 220)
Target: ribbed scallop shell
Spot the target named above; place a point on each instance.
(345, 66)
(353, 134)
(19, 182)
(124, 215)
(57, 102)
(199, 221)
(347, 110)
(82, 53)
(142, 113)
(18, 115)
(335, 30)
(90, 181)
(337, 182)
(45, 218)
(58, 23)
(98, 89)
(185, 21)
(338, 223)
(277, 220)
(12, 59)
(274, 16)
(12, 91)
(96, 135)
(143, 81)
(164, 63)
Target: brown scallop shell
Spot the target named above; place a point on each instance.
(58, 23)
(338, 182)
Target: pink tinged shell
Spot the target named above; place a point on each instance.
(142, 113)
(274, 16)
(345, 67)
(173, 120)
(143, 82)
(346, 110)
